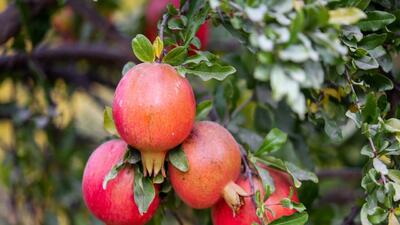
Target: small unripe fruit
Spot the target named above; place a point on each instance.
(214, 163)
(154, 110)
(154, 12)
(115, 205)
(222, 214)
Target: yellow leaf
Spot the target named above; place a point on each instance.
(346, 16)
(331, 92)
(158, 46)
(385, 160)
(393, 220)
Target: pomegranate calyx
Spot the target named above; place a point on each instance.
(233, 195)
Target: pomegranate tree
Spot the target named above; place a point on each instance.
(214, 164)
(222, 214)
(114, 205)
(154, 110)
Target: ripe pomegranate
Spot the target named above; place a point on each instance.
(154, 12)
(214, 163)
(115, 205)
(222, 214)
(154, 110)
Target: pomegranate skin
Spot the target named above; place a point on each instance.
(154, 12)
(115, 205)
(154, 107)
(214, 162)
(222, 214)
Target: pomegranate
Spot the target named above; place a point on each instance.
(115, 205)
(222, 214)
(154, 12)
(214, 163)
(154, 110)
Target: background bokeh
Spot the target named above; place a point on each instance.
(59, 72)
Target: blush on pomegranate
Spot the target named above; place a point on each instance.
(214, 164)
(154, 110)
(154, 12)
(115, 205)
(222, 214)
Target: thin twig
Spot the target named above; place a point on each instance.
(161, 34)
(177, 217)
(349, 220)
(371, 142)
(248, 173)
(242, 106)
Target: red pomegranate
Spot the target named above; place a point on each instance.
(154, 110)
(214, 163)
(222, 214)
(154, 12)
(115, 205)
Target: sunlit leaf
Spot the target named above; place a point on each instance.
(346, 16)
(108, 121)
(143, 48)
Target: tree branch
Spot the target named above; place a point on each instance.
(346, 173)
(47, 57)
(99, 53)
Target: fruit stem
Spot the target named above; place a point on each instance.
(153, 163)
(233, 195)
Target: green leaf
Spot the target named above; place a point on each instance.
(378, 82)
(394, 175)
(132, 156)
(143, 48)
(198, 16)
(201, 56)
(370, 111)
(215, 71)
(113, 173)
(366, 63)
(178, 159)
(127, 67)
(108, 121)
(378, 216)
(196, 42)
(158, 179)
(271, 161)
(143, 190)
(299, 174)
(356, 117)
(364, 215)
(274, 140)
(295, 219)
(176, 23)
(176, 56)
(372, 41)
(203, 108)
(380, 166)
(266, 178)
(376, 20)
(392, 125)
(346, 16)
